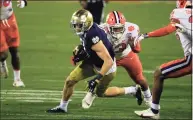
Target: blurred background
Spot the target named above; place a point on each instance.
(46, 46)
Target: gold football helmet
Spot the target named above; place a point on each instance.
(81, 21)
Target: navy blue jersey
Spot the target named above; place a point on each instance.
(92, 37)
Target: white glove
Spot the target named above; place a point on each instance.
(138, 39)
(20, 4)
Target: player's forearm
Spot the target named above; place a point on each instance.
(108, 63)
(136, 48)
(162, 31)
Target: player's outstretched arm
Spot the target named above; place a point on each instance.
(162, 31)
(102, 52)
(173, 26)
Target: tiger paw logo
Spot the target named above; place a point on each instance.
(131, 28)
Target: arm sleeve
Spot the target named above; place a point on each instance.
(167, 29)
(93, 38)
(163, 31)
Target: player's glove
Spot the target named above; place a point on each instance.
(79, 54)
(143, 36)
(139, 38)
(93, 83)
(21, 3)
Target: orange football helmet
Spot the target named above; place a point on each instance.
(116, 23)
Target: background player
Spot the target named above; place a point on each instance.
(119, 31)
(98, 55)
(10, 35)
(95, 7)
(177, 68)
(3, 57)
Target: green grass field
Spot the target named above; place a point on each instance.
(46, 46)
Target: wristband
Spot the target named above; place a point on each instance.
(146, 35)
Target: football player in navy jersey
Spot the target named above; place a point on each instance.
(97, 59)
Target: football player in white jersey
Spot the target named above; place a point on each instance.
(181, 22)
(10, 40)
(118, 32)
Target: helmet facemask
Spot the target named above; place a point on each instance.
(117, 31)
(78, 28)
(116, 24)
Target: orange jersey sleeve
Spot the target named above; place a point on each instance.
(163, 31)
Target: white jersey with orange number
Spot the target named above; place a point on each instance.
(121, 46)
(6, 9)
(183, 17)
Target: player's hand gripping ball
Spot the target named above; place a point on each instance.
(79, 54)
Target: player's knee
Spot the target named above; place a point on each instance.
(158, 74)
(69, 82)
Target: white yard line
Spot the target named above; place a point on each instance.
(59, 116)
(39, 91)
(53, 96)
(36, 94)
(69, 67)
(74, 116)
(30, 98)
(38, 99)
